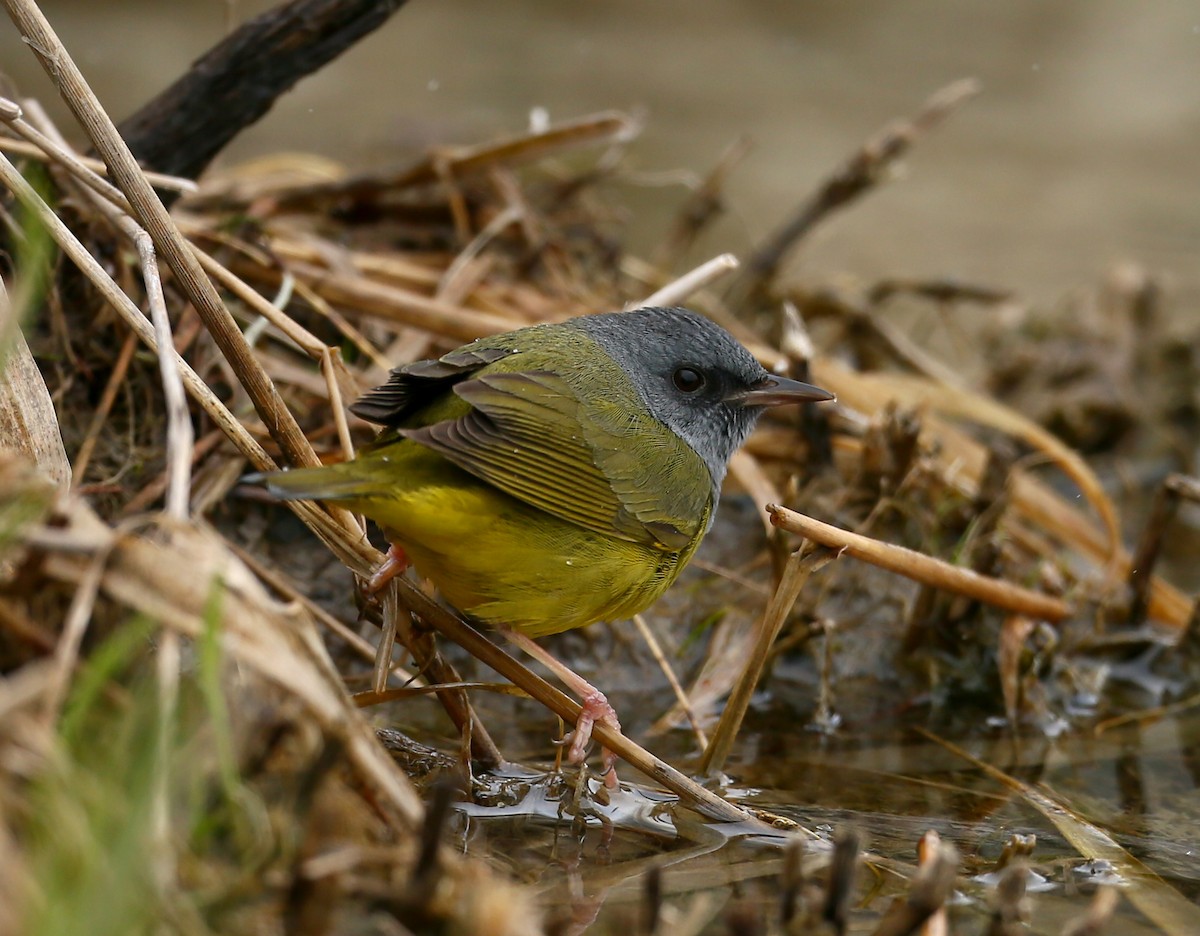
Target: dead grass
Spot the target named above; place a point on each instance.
(156, 694)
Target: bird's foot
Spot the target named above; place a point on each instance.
(595, 709)
(396, 563)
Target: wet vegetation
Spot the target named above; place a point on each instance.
(933, 671)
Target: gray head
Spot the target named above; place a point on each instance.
(695, 377)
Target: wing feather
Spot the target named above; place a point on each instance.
(415, 385)
(597, 464)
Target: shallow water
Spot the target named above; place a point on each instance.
(1138, 784)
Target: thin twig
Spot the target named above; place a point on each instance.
(84, 456)
(604, 127)
(154, 490)
(856, 176)
(393, 303)
(941, 290)
(157, 179)
(180, 435)
(74, 626)
(677, 291)
(858, 315)
(55, 150)
(1145, 715)
(799, 567)
(282, 584)
(24, 628)
(329, 359)
(702, 205)
(438, 671)
(387, 640)
(1141, 566)
(148, 210)
(287, 284)
(920, 567)
(343, 537)
(494, 228)
(681, 696)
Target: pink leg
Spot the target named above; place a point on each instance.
(595, 706)
(395, 564)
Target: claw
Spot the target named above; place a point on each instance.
(609, 760)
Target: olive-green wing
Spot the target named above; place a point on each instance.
(594, 463)
(414, 386)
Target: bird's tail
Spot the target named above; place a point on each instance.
(328, 483)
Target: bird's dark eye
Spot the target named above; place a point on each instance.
(687, 379)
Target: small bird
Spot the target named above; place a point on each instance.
(554, 476)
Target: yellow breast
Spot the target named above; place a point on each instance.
(505, 563)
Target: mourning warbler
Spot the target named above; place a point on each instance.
(556, 475)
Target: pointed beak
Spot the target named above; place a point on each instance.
(777, 391)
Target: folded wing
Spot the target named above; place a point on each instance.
(606, 467)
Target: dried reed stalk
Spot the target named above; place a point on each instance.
(928, 570)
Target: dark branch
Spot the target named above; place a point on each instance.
(236, 82)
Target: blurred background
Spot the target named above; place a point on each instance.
(1084, 147)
